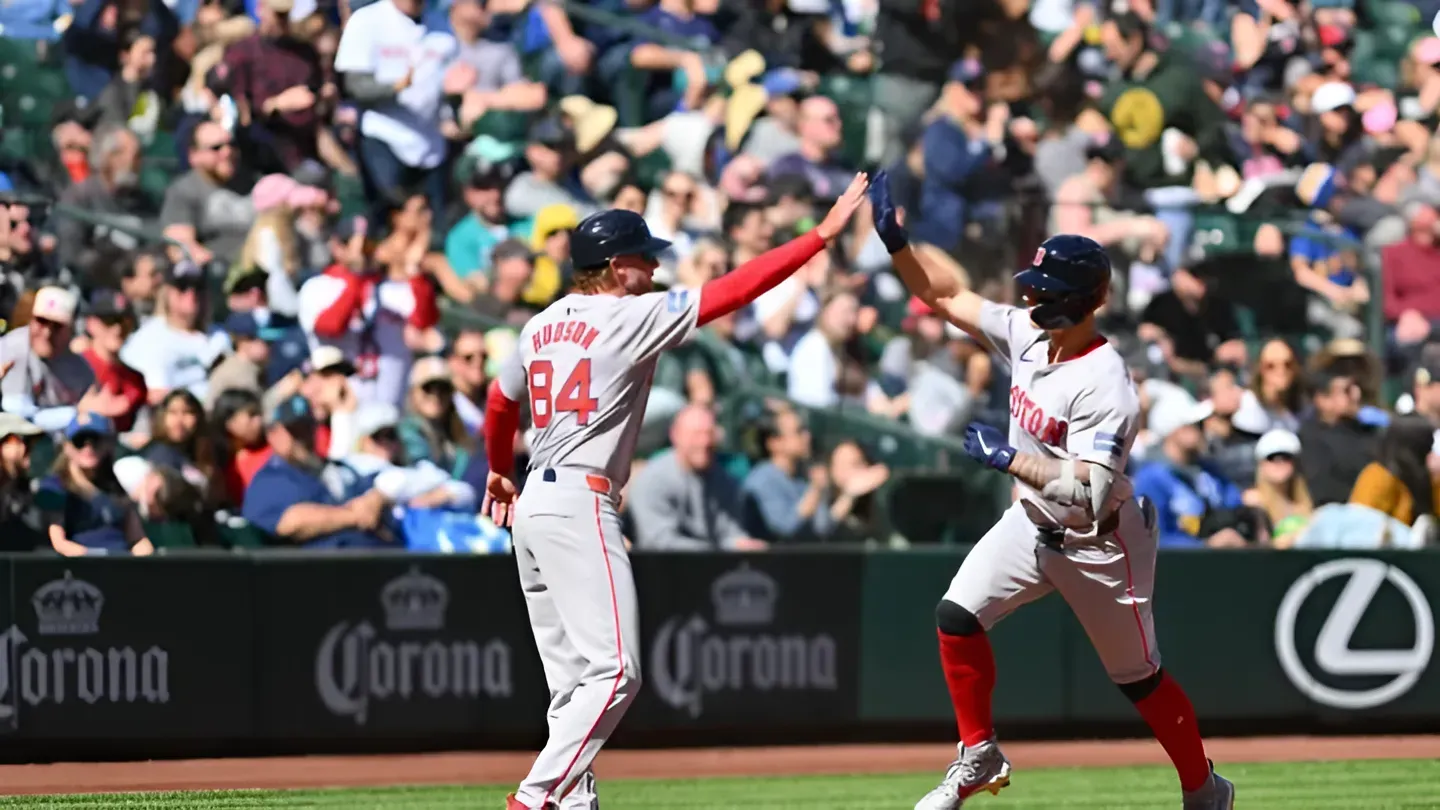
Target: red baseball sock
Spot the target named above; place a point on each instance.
(1172, 719)
(970, 675)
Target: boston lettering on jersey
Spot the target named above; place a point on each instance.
(1032, 418)
(577, 332)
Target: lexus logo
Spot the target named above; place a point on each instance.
(1333, 654)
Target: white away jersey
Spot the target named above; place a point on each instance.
(585, 365)
(1085, 408)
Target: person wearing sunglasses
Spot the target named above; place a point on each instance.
(467, 372)
(432, 429)
(22, 527)
(1280, 489)
(47, 381)
(85, 508)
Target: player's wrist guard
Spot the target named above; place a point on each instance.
(1001, 459)
(894, 237)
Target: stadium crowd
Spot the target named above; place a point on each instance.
(362, 202)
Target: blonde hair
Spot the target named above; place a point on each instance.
(1280, 502)
(280, 220)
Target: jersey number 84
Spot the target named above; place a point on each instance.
(573, 395)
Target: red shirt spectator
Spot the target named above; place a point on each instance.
(242, 469)
(1410, 274)
(109, 322)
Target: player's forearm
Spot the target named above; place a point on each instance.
(925, 279)
(1039, 471)
(750, 280)
(502, 419)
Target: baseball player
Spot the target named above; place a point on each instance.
(1076, 528)
(585, 365)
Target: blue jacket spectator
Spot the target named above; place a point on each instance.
(954, 155)
(82, 503)
(299, 499)
(1183, 486)
(782, 500)
(93, 48)
(32, 19)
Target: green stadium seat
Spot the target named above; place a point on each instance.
(1217, 232)
(170, 535)
(350, 192)
(241, 536)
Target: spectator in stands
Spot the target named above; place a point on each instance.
(669, 218)
(1399, 482)
(854, 478)
(83, 505)
(45, 378)
(432, 429)
(238, 433)
(512, 266)
(108, 323)
(271, 246)
(130, 101)
(1280, 489)
(920, 42)
(467, 372)
(1192, 327)
(1185, 487)
(1323, 259)
(22, 526)
(817, 159)
(960, 144)
(550, 180)
(550, 247)
(394, 71)
(485, 73)
(180, 440)
(244, 368)
(1337, 445)
(748, 232)
(247, 293)
(682, 500)
(679, 19)
(299, 499)
(1410, 273)
(816, 362)
(1277, 393)
(1229, 439)
(174, 348)
(1087, 204)
(785, 497)
(141, 276)
(93, 39)
(342, 308)
(111, 192)
(275, 79)
(1425, 389)
(201, 212)
(379, 456)
(470, 244)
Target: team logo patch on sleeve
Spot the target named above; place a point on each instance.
(1108, 443)
(675, 300)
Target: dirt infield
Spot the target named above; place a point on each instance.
(311, 772)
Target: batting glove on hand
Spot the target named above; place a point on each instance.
(987, 445)
(887, 221)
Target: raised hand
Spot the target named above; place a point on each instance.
(887, 218)
(844, 208)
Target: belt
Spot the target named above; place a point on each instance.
(596, 483)
(1054, 536)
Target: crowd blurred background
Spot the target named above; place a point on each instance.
(262, 258)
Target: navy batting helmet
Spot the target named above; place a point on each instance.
(1066, 282)
(603, 236)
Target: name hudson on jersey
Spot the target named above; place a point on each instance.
(356, 663)
(577, 332)
(691, 658)
(57, 671)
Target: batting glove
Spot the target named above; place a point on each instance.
(987, 445)
(887, 223)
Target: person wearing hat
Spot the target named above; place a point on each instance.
(365, 314)
(174, 348)
(277, 79)
(43, 372)
(550, 154)
(432, 429)
(84, 507)
(253, 291)
(1411, 286)
(468, 245)
(1337, 444)
(22, 527)
(244, 368)
(109, 320)
(512, 264)
(817, 158)
(550, 242)
(1184, 486)
(301, 500)
(1280, 489)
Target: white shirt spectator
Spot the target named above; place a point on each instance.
(172, 358)
(383, 41)
(400, 485)
(770, 302)
(813, 371)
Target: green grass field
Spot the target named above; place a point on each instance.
(1372, 785)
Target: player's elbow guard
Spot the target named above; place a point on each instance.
(1081, 486)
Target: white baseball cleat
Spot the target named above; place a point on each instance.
(981, 768)
(1216, 794)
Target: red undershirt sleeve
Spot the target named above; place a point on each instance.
(502, 419)
(747, 282)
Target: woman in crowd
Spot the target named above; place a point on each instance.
(1280, 490)
(272, 244)
(1276, 395)
(180, 442)
(1399, 482)
(854, 479)
(84, 506)
(432, 429)
(22, 527)
(239, 441)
